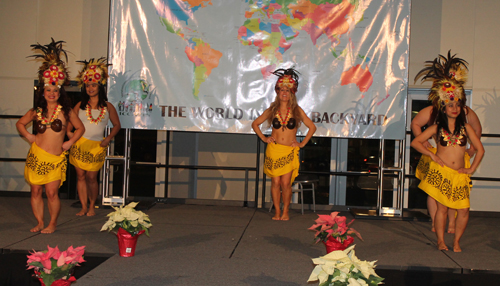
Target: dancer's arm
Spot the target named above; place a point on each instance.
(478, 146)
(23, 121)
(312, 128)
(418, 144)
(115, 120)
(257, 122)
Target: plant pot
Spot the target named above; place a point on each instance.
(127, 242)
(332, 244)
(60, 282)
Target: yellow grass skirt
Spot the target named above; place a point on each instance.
(446, 186)
(42, 167)
(87, 154)
(281, 160)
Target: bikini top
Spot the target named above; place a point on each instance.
(56, 126)
(290, 124)
(445, 139)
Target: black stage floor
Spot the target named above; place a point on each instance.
(226, 245)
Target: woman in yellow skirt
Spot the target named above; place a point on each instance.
(46, 161)
(447, 177)
(427, 117)
(281, 161)
(88, 153)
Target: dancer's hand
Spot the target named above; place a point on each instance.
(31, 138)
(270, 139)
(436, 159)
(66, 146)
(471, 151)
(296, 144)
(427, 145)
(465, 171)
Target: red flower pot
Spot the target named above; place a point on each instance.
(332, 244)
(127, 242)
(60, 282)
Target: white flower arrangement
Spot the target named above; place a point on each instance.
(129, 219)
(343, 268)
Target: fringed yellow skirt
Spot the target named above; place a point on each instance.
(42, 167)
(87, 154)
(447, 186)
(281, 160)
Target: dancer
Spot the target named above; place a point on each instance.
(46, 161)
(89, 152)
(282, 153)
(446, 177)
(427, 116)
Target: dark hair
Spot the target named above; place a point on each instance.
(63, 101)
(442, 120)
(101, 94)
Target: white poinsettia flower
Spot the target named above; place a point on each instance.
(117, 217)
(131, 205)
(108, 225)
(353, 282)
(342, 277)
(318, 274)
(131, 215)
(362, 282)
(134, 223)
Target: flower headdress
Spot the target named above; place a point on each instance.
(53, 70)
(287, 78)
(449, 75)
(93, 71)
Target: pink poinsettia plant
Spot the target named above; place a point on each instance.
(334, 226)
(52, 264)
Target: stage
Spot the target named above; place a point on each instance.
(227, 245)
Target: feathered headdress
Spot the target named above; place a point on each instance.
(449, 75)
(93, 71)
(287, 78)
(53, 70)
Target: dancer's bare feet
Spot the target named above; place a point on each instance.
(277, 216)
(442, 246)
(37, 228)
(49, 229)
(433, 229)
(451, 230)
(81, 212)
(285, 216)
(91, 212)
(456, 247)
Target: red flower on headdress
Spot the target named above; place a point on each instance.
(61, 75)
(92, 67)
(54, 68)
(97, 76)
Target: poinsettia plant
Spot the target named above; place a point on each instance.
(52, 264)
(343, 268)
(129, 219)
(334, 226)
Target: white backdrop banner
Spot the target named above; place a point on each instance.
(205, 65)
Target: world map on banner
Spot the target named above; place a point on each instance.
(206, 65)
(271, 26)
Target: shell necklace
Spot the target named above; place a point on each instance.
(99, 118)
(284, 121)
(44, 120)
